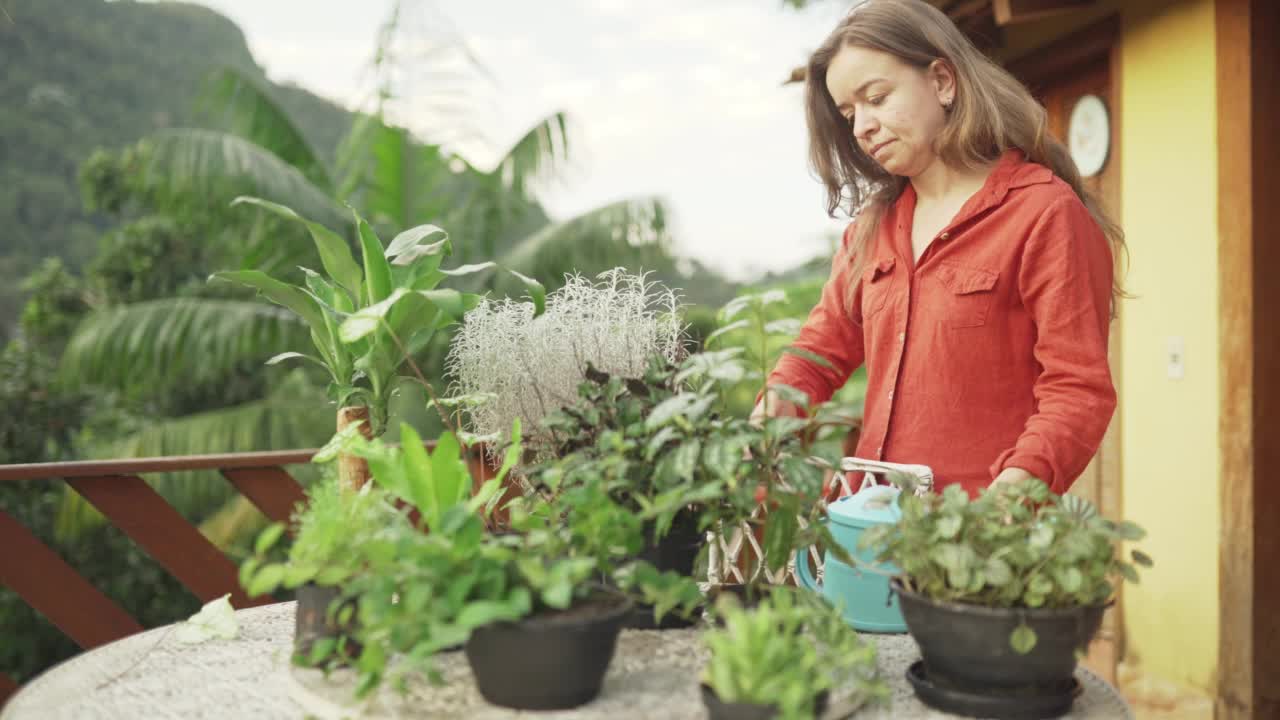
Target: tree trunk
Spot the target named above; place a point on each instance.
(353, 472)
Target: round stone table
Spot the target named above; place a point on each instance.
(653, 675)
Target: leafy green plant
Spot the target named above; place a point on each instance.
(1016, 545)
(786, 651)
(663, 443)
(763, 324)
(366, 318)
(331, 534)
(430, 481)
(425, 592)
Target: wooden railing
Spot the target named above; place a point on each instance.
(115, 487)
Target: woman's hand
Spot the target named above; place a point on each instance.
(1013, 475)
(777, 407)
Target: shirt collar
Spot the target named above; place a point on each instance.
(1012, 171)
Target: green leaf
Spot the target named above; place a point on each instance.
(810, 356)
(948, 526)
(268, 537)
(772, 297)
(668, 409)
(366, 320)
(1041, 536)
(407, 247)
(321, 650)
(1130, 531)
(780, 534)
(786, 326)
(997, 571)
(332, 576)
(448, 472)
(1023, 639)
(735, 325)
(334, 253)
(451, 302)
(1070, 579)
(684, 460)
(479, 613)
(266, 580)
(377, 271)
(558, 594)
(471, 269)
(791, 394)
(418, 470)
(1128, 572)
(1142, 558)
(217, 619)
(252, 114)
(537, 292)
(295, 298)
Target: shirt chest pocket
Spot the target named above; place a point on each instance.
(968, 294)
(877, 282)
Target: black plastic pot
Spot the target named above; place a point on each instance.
(552, 661)
(317, 618)
(966, 647)
(720, 710)
(677, 551)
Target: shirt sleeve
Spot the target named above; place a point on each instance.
(1065, 281)
(831, 332)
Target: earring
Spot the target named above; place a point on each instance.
(946, 106)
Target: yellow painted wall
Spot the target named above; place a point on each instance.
(1169, 431)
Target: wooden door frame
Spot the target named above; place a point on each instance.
(1248, 111)
(1058, 62)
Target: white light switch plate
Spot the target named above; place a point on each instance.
(1177, 358)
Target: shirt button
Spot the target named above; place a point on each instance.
(902, 337)
(880, 450)
(890, 394)
(944, 236)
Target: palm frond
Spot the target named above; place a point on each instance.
(161, 342)
(247, 110)
(396, 180)
(291, 417)
(535, 156)
(185, 166)
(628, 233)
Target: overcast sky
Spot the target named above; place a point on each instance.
(669, 97)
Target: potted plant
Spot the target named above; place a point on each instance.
(366, 318)
(782, 659)
(776, 504)
(331, 532)
(1003, 592)
(340, 531)
(539, 628)
(606, 437)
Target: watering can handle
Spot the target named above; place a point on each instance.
(923, 473)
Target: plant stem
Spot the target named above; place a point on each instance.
(448, 421)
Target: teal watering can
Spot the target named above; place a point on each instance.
(868, 604)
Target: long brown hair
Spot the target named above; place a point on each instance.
(992, 112)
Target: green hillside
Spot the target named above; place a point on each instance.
(81, 74)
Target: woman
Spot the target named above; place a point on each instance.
(976, 281)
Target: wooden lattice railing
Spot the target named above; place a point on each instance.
(116, 489)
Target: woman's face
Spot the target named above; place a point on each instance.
(895, 110)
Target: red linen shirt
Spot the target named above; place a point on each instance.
(991, 351)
